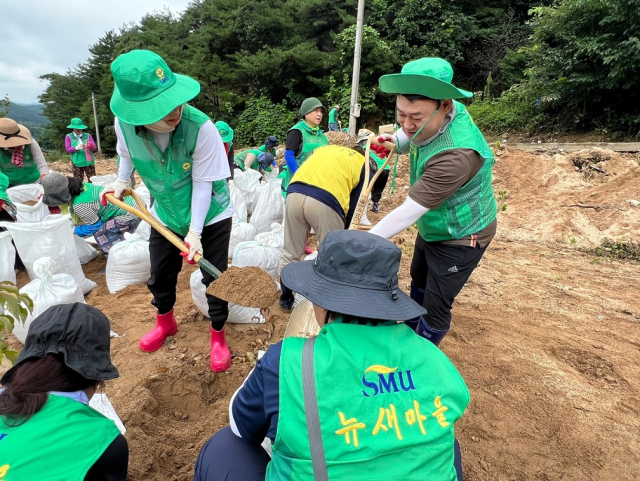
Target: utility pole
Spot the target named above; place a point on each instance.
(354, 111)
(95, 119)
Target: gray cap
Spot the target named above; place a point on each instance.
(56, 189)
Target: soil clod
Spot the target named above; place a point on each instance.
(245, 286)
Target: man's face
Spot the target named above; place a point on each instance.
(412, 115)
(174, 116)
(314, 117)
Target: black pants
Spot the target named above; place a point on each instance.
(379, 185)
(166, 264)
(226, 457)
(442, 270)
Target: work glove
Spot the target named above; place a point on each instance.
(79, 147)
(91, 145)
(192, 241)
(383, 151)
(265, 160)
(116, 188)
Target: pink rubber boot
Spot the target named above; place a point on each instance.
(154, 339)
(220, 354)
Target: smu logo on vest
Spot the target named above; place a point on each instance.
(389, 380)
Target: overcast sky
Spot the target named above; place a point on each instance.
(44, 36)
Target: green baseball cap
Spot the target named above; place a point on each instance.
(309, 104)
(225, 131)
(76, 124)
(146, 90)
(430, 77)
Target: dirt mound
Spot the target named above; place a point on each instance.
(245, 286)
(340, 138)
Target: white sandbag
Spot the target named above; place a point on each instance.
(103, 180)
(48, 289)
(240, 232)
(129, 263)
(22, 196)
(256, 198)
(247, 182)
(7, 258)
(271, 175)
(274, 238)
(52, 237)
(252, 253)
(144, 194)
(270, 208)
(86, 252)
(237, 314)
(144, 230)
(239, 204)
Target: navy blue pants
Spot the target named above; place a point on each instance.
(226, 457)
(442, 271)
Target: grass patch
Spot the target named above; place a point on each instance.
(622, 251)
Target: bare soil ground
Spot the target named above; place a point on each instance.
(546, 335)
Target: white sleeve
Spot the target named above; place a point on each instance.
(200, 202)
(402, 141)
(209, 160)
(126, 166)
(399, 219)
(41, 162)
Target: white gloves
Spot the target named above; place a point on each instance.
(79, 147)
(116, 188)
(192, 241)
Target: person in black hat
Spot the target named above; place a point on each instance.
(47, 425)
(367, 395)
(270, 145)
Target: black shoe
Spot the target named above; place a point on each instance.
(374, 208)
(286, 302)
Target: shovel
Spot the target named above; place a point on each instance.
(146, 216)
(302, 322)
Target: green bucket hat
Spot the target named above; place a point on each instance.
(77, 124)
(430, 77)
(309, 104)
(146, 90)
(225, 131)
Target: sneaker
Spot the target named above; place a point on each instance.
(374, 208)
(286, 302)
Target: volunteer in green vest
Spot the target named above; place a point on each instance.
(303, 138)
(81, 146)
(369, 398)
(254, 159)
(379, 158)
(47, 428)
(270, 145)
(334, 123)
(451, 197)
(21, 159)
(107, 224)
(7, 209)
(180, 157)
(226, 133)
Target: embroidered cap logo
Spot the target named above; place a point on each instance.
(161, 76)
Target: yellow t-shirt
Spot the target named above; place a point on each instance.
(334, 169)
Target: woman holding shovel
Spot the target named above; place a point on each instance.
(81, 146)
(365, 399)
(180, 157)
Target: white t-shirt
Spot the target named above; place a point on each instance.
(209, 164)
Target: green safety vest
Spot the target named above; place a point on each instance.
(387, 402)
(472, 207)
(332, 116)
(264, 148)
(59, 443)
(4, 185)
(79, 157)
(167, 174)
(311, 140)
(27, 174)
(92, 193)
(380, 162)
(241, 157)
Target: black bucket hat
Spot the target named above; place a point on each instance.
(355, 273)
(79, 332)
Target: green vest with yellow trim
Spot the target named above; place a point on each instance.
(387, 402)
(167, 174)
(27, 174)
(61, 442)
(472, 207)
(92, 193)
(311, 140)
(79, 157)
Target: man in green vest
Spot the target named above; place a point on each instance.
(365, 399)
(180, 157)
(303, 138)
(451, 197)
(21, 159)
(270, 145)
(81, 146)
(334, 123)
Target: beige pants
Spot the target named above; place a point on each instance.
(302, 213)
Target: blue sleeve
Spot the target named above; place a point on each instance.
(86, 230)
(289, 156)
(256, 407)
